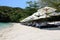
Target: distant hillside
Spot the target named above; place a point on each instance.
(11, 14)
(8, 14)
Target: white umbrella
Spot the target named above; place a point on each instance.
(54, 14)
(47, 9)
(44, 10)
(27, 19)
(39, 14)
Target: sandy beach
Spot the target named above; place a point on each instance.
(22, 32)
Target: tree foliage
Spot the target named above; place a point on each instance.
(11, 14)
(51, 3)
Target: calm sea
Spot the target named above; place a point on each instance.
(4, 25)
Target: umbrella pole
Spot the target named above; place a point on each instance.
(46, 18)
(46, 15)
(54, 18)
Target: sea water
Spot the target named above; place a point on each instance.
(4, 25)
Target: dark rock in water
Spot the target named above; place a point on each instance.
(49, 26)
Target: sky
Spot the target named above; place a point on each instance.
(14, 3)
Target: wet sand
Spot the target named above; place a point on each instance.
(22, 32)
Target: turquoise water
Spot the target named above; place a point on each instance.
(4, 25)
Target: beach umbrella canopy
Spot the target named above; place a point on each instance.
(54, 14)
(39, 14)
(44, 10)
(30, 18)
(47, 9)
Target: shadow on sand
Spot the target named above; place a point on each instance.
(52, 27)
(56, 28)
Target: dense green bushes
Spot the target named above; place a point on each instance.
(9, 14)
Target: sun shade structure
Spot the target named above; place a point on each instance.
(41, 14)
(47, 10)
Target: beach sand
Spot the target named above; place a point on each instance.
(22, 32)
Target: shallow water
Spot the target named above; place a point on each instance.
(4, 25)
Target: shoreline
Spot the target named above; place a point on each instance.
(22, 32)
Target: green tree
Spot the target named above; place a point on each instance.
(9, 14)
(33, 4)
(31, 8)
(51, 3)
